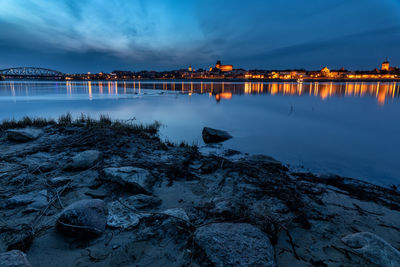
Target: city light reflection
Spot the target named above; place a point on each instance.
(381, 91)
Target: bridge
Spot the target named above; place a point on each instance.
(30, 73)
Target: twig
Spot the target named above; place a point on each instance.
(36, 169)
(290, 241)
(41, 214)
(59, 200)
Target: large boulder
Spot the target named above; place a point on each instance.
(84, 160)
(235, 244)
(211, 135)
(24, 135)
(14, 258)
(134, 179)
(373, 248)
(84, 218)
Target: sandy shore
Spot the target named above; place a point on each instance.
(165, 204)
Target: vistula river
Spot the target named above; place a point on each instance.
(351, 129)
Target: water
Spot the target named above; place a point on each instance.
(350, 129)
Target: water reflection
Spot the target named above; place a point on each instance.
(219, 90)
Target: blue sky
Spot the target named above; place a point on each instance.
(103, 35)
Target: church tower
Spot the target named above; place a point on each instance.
(385, 65)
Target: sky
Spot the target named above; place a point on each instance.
(75, 36)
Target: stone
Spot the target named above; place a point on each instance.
(231, 152)
(39, 201)
(20, 200)
(84, 160)
(120, 216)
(142, 201)
(24, 135)
(40, 162)
(59, 181)
(373, 248)
(14, 258)
(211, 135)
(263, 159)
(178, 213)
(136, 180)
(36, 200)
(84, 218)
(235, 244)
(224, 208)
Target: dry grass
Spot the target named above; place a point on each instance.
(26, 122)
(67, 120)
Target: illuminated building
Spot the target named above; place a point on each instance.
(325, 72)
(385, 65)
(284, 75)
(274, 75)
(223, 68)
(254, 76)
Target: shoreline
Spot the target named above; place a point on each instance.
(178, 200)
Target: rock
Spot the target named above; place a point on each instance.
(23, 135)
(42, 168)
(263, 159)
(211, 135)
(40, 162)
(141, 201)
(134, 179)
(14, 258)
(373, 248)
(120, 216)
(25, 178)
(231, 152)
(59, 181)
(235, 244)
(39, 201)
(84, 160)
(177, 212)
(84, 218)
(20, 200)
(20, 240)
(36, 199)
(224, 208)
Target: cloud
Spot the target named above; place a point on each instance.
(125, 28)
(170, 34)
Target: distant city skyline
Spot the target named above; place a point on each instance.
(93, 36)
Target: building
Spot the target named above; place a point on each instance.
(385, 65)
(223, 68)
(325, 72)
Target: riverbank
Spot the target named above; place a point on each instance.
(157, 203)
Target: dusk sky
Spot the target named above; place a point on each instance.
(103, 35)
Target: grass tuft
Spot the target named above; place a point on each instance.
(65, 120)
